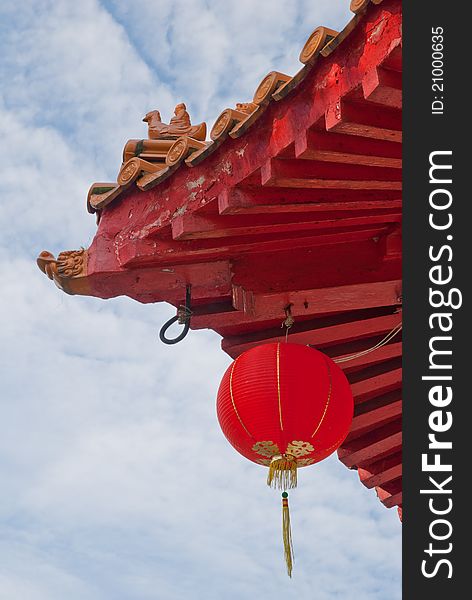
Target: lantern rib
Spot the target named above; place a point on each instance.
(330, 388)
(278, 388)
(233, 402)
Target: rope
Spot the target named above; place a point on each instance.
(396, 330)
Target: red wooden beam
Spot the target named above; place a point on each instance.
(157, 284)
(383, 86)
(361, 120)
(347, 149)
(355, 263)
(393, 60)
(135, 250)
(381, 354)
(381, 472)
(299, 200)
(315, 174)
(372, 447)
(197, 226)
(388, 499)
(318, 301)
(267, 310)
(320, 338)
(378, 416)
(380, 384)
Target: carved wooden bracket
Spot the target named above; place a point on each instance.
(68, 270)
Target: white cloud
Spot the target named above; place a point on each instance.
(116, 480)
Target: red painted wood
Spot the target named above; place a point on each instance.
(381, 472)
(319, 301)
(356, 119)
(383, 86)
(140, 251)
(389, 500)
(324, 175)
(209, 281)
(320, 338)
(377, 444)
(347, 149)
(303, 169)
(194, 227)
(330, 266)
(393, 60)
(373, 418)
(369, 388)
(297, 200)
(385, 353)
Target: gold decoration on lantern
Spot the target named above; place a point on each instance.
(299, 448)
(266, 448)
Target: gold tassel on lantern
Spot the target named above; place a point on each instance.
(287, 534)
(282, 472)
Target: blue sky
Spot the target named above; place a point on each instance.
(101, 427)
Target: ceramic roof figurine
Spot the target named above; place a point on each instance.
(179, 125)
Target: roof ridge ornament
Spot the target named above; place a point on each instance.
(359, 6)
(316, 42)
(180, 124)
(147, 161)
(232, 120)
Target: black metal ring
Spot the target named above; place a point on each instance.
(166, 326)
(178, 317)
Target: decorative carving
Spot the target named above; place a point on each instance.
(68, 264)
(226, 121)
(181, 149)
(268, 449)
(246, 107)
(316, 42)
(221, 125)
(132, 169)
(177, 152)
(299, 448)
(179, 125)
(71, 263)
(358, 6)
(68, 270)
(129, 171)
(268, 86)
(295, 449)
(47, 263)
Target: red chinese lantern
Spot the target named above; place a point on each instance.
(284, 406)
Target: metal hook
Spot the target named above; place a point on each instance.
(183, 316)
(289, 320)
